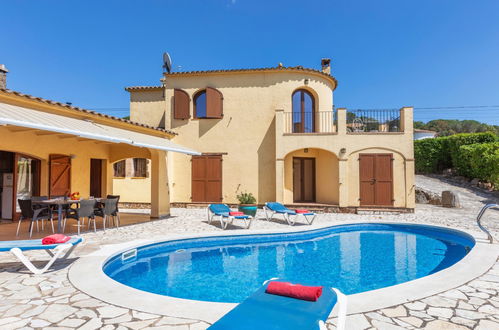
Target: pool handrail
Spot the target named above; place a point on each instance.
(479, 218)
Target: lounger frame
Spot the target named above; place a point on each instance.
(290, 216)
(225, 221)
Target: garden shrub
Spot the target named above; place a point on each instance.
(434, 155)
(453, 143)
(480, 161)
(428, 155)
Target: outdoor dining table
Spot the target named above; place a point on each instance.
(60, 205)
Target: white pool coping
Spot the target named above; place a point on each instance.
(88, 276)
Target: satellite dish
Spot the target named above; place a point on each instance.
(167, 62)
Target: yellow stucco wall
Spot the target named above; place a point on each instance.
(257, 151)
(41, 144)
(246, 134)
(133, 190)
(326, 176)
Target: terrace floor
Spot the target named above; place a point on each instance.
(49, 301)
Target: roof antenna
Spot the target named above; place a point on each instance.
(167, 62)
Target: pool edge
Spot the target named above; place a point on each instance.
(481, 258)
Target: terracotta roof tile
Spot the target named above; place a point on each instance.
(39, 99)
(278, 68)
(143, 88)
(274, 69)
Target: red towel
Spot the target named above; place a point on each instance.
(55, 239)
(302, 211)
(297, 291)
(236, 213)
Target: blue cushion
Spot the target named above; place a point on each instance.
(271, 312)
(34, 244)
(220, 209)
(278, 207)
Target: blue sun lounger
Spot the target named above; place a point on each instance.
(222, 211)
(264, 311)
(60, 250)
(277, 208)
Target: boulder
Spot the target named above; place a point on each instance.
(475, 182)
(427, 197)
(450, 199)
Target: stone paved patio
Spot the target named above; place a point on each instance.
(49, 301)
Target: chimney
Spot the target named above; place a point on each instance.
(3, 76)
(326, 65)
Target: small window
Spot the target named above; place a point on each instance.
(119, 169)
(140, 168)
(200, 104)
(208, 103)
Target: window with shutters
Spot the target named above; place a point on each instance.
(120, 169)
(140, 168)
(181, 102)
(208, 103)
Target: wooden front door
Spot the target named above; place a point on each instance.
(207, 178)
(303, 180)
(96, 177)
(60, 175)
(376, 179)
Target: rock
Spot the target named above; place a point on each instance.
(395, 312)
(385, 326)
(91, 325)
(450, 199)
(421, 197)
(379, 317)
(459, 320)
(443, 325)
(427, 197)
(469, 314)
(454, 294)
(437, 301)
(39, 323)
(353, 322)
(414, 321)
(487, 325)
(440, 312)
(111, 311)
(475, 182)
(57, 312)
(416, 306)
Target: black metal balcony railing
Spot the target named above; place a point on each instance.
(309, 122)
(359, 121)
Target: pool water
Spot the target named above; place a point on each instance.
(353, 258)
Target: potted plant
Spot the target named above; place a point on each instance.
(247, 203)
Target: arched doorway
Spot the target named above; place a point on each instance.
(303, 112)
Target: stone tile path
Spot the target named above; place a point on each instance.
(49, 301)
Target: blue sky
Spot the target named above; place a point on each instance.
(385, 54)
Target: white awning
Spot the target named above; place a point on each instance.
(24, 117)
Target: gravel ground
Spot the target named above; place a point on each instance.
(49, 301)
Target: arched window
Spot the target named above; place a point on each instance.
(200, 104)
(208, 103)
(303, 112)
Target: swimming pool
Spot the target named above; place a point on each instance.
(354, 258)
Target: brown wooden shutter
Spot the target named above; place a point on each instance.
(198, 179)
(214, 103)
(384, 178)
(376, 179)
(367, 179)
(207, 178)
(60, 175)
(181, 102)
(214, 179)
